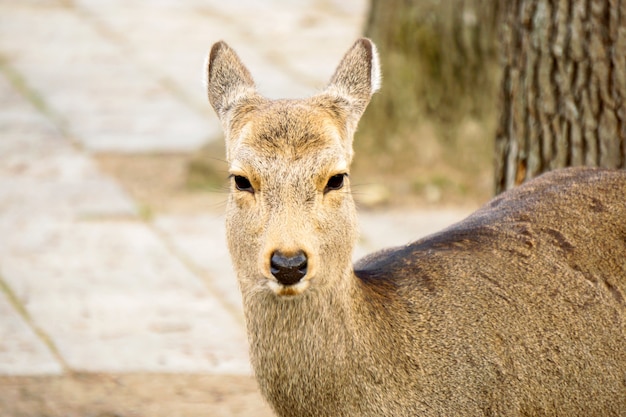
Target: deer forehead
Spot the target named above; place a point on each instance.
(288, 136)
(308, 169)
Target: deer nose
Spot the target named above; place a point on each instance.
(288, 270)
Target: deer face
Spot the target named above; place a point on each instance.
(291, 217)
(291, 221)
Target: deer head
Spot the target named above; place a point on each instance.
(291, 220)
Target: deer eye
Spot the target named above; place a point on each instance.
(243, 184)
(334, 183)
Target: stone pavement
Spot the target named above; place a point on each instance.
(87, 283)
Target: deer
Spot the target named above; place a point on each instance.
(518, 310)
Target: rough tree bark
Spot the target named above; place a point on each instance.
(563, 89)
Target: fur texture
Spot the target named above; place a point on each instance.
(519, 310)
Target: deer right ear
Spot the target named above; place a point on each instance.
(357, 77)
(228, 81)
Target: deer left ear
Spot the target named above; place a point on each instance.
(228, 81)
(357, 78)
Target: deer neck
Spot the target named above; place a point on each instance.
(309, 346)
(317, 316)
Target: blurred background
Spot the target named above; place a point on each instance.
(116, 293)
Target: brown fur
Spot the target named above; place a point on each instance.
(518, 310)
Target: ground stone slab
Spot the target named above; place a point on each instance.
(202, 240)
(113, 299)
(102, 97)
(21, 351)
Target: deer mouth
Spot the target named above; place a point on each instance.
(292, 290)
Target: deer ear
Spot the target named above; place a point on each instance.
(228, 81)
(356, 78)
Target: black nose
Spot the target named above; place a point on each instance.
(288, 270)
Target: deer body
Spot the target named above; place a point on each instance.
(518, 310)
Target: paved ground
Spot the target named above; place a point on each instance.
(88, 284)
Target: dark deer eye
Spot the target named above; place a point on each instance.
(335, 182)
(243, 184)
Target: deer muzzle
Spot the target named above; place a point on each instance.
(288, 269)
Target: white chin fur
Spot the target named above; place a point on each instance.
(288, 290)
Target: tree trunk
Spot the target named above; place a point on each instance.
(437, 59)
(563, 87)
